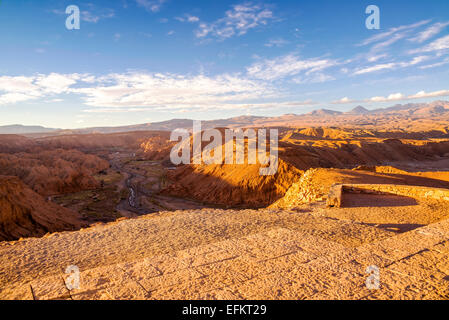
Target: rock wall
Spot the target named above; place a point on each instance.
(300, 192)
(337, 191)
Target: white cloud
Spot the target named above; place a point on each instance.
(286, 66)
(188, 18)
(375, 68)
(217, 106)
(151, 5)
(11, 98)
(171, 91)
(437, 45)
(93, 15)
(343, 101)
(20, 88)
(391, 97)
(429, 32)
(434, 65)
(276, 43)
(140, 91)
(192, 18)
(56, 83)
(423, 94)
(396, 97)
(237, 21)
(415, 60)
(374, 58)
(17, 84)
(391, 65)
(381, 45)
(393, 32)
(315, 78)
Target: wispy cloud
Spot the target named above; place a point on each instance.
(391, 65)
(437, 45)
(237, 21)
(93, 17)
(276, 43)
(171, 91)
(92, 14)
(344, 100)
(429, 32)
(188, 18)
(21, 88)
(386, 48)
(434, 65)
(151, 5)
(393, 32)
(388, 42)
(140, 91)
(150, 91)
(375, 68)
(380, 42)
(392, 97)
(287, 66)
(434, 94)
(395, 97)
(315, 78)
(376, 57)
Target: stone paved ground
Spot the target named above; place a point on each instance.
(226, 254)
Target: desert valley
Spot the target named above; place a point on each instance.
(354, 190)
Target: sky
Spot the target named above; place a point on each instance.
(138, 61)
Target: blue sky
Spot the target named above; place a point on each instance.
(136, 61)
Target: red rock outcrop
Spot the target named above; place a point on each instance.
(55, 171)
(232, 185)
(24, 213)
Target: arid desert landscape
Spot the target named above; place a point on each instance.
(357, 194)
(221, 159)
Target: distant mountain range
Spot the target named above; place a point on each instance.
(359, 110)
(359, 116)
(21, 129)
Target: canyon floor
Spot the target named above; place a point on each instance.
(311, 252)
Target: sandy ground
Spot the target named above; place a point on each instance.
(308, 253)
